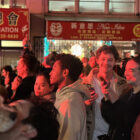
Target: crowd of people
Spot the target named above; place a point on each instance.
(65, 98)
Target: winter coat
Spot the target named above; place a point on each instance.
(121, 115)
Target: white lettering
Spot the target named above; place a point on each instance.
(9, 30)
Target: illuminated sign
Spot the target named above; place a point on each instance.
(72, 30)
(14, 23)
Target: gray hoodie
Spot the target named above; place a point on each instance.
(72, 111)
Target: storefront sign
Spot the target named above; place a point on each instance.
(71, 30)
(14, 23)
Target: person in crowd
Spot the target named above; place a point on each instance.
(123, 65)
(135, 134)
(92, 53)
(4, 93)
(86, 67)
(43, 88)
(27, 48)
(121, 113)
(49, 60)
(70, 97)
(9, 75)
(92, 62)
(27, 69)
(106, 56)
(8, 71)
(33, 119)
(15, 84)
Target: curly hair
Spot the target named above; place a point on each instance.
(108, 49)
(72, 63)
(43, 116)
(31, 62)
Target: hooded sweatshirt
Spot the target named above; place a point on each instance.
(72, 112)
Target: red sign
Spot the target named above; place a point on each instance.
(72, 30)
(14, 23)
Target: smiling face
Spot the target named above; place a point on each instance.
(106, 62)
(42, 86)
(132, 72)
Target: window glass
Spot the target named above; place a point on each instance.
(61, 5)
(91, 5)
(121, 6)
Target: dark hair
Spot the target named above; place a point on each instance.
(7, 68)
(43, 116)
(51, 58)
(72, 63)
(45, 73)
(108, 49)
(31, 62)
(136, 59)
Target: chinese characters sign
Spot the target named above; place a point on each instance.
(69, 30)
(14, 24)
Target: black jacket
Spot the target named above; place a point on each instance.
(25, 89)
(121, 115)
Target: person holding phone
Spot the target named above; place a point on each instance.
(121, 114)
(106, 57)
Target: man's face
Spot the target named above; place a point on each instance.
(15, 131)
(41, 86)
(106, 62)
(56, 75)
(132, 72)
(20, 67)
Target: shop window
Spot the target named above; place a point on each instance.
(13, 3)
(91, 5)
(61, 5)
(4, 3)
(121, 6)
(21, 3)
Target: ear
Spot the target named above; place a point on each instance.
(29, 131)
(65, 72)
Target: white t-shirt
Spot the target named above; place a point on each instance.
(101, 127)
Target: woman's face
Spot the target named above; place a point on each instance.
(132, 72)
(4, 73)
(16, 82)
(41, 86)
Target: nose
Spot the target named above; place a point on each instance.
(13, 115)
